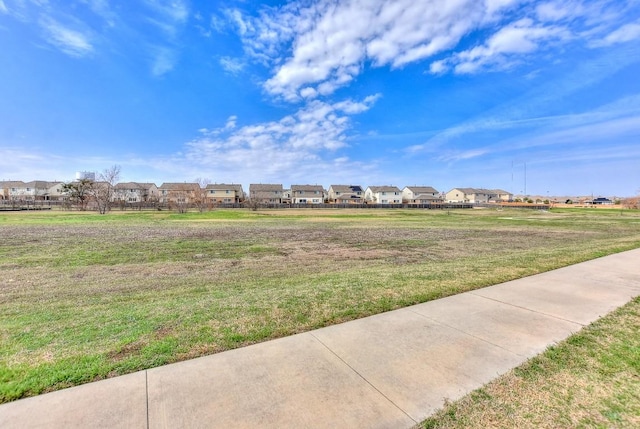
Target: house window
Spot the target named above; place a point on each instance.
(227, 191)
(384, 193)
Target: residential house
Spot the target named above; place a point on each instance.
(602, 201)
(477, 195)
(502, 196)
(383, 195)
(20, 191)
(307, 194)
(286, 196)
(222, 193)
(134, 192)
(11, 189)
(179, 193)
(346, 194)
(266, 193)
(420, 195)
(55, 192)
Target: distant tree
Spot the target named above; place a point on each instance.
(102, 190)
(78, 192)
(200, 199)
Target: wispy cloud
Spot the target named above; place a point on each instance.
(626, 33)
(504, 48)
(163, 60)
(305, 140)
(70, 41)
(3, 7)
(232, 65)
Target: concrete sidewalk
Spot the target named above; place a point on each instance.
(386, 371)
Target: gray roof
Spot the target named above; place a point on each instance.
(134, 185)
(224, 186)
(349, 196)
(376, 189)
(422, 189)
(310, 188)
(346, 188)
(259, 187)
(180, 187)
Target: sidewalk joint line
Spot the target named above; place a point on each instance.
(528, 309)
(363, 378)
(439, 322)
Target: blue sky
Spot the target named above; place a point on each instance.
(443, 93)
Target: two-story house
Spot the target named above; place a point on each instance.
(133, 192)
(179, 193)
(383, 195)
(266, 193)
(346, 194)
(420, 195)
(477, 195)
(223, 193)
(307, 194)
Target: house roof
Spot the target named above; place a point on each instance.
(474, 191)
(224, 187)
(310, 188)
(180, 187)
(377, 189)
(346, 188)
(426, 197)
(259, 187)
(134, 185)
(41, 184)
(349, 196)
(421, 189)
(12, 184)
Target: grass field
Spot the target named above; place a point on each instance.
(85, 297)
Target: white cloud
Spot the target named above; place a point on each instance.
(232, 65)
(176, 11)
(626, 33)
(72, 42)
(3, 7)
(163, 60)
(506, 46)
(316, 47)
(303, 140)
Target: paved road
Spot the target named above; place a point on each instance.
(391, 370)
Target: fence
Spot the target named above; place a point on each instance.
(17, 205)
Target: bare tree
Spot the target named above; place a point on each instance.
(200, 199)
(102, 190)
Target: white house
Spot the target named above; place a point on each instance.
(383, 195)
(420, 195)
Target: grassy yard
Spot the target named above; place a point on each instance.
(85, 297)
(591, 380)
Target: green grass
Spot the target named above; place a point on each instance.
(591, 380)
(85, 297)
